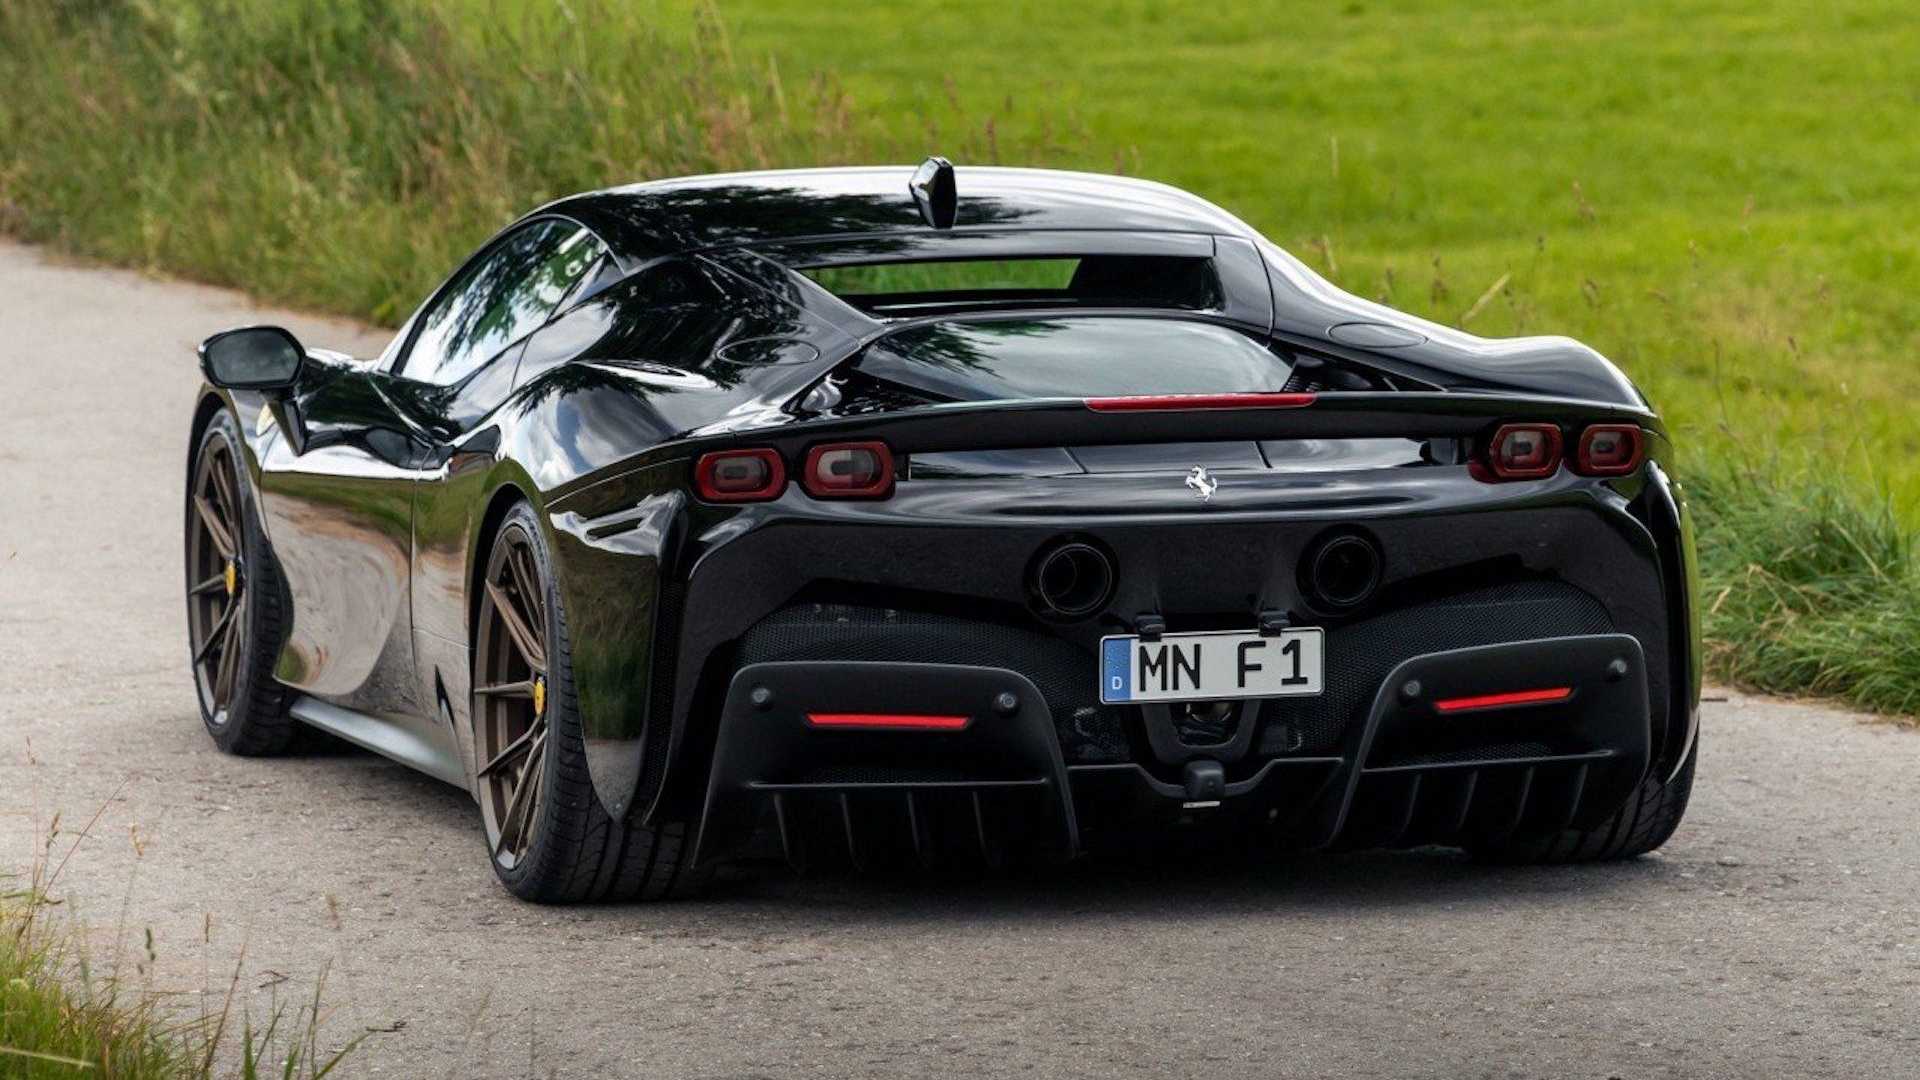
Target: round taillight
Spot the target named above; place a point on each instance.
(1524, 451)
(740, 475)
(849, 471)
(1609, 450)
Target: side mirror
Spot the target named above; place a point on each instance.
(252, 358)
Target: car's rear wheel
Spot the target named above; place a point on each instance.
(1645, 822)
(547, 834)
(235, 609)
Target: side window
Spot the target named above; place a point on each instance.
(500, 299)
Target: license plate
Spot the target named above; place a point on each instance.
(1222, 664)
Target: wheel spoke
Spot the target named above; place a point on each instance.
(224, 672)
(216, 583)
(537, 770)
(214, 635)
(515, 748)
(523, 638)
(521, 689)
(223, 484)
(527, 584)
(521, 805)
(217, 529)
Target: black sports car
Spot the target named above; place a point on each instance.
(894, 515)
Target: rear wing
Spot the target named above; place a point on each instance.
(1112, 421)
(1075, 422)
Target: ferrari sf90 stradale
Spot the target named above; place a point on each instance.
(894, 516)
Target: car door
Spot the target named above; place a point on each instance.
(337, 502)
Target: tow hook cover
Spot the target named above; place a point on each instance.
(1206, 781)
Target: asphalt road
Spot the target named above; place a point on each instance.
(1777, 935)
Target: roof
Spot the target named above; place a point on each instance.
(664, 217)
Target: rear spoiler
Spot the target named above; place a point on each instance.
(1006, 425)
(1015, 425)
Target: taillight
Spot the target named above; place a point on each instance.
(1609, 450)
(740, 476)
(860, 470)
(1524, 451)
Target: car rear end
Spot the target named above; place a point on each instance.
(1044, 584)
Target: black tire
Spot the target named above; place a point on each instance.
(245, 710)
(1645, 822)
(576, 852)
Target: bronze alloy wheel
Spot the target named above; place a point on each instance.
(550, 837)
(217, 579)
(510, 697)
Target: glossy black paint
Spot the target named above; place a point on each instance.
(380, 490)
(252, 358)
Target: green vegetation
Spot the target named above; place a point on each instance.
(61, 1018)
(1808, 589)
(47, 1030)
(1717, 195)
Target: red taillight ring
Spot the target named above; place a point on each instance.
(1551, 464)
(879, 488)
(706, 481)
(1583, 455)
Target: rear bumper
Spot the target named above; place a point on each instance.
(677, 598)
(1414, 771)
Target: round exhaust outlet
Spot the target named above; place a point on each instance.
(1071, 580)
(1341, 571)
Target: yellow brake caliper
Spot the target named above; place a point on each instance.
(232, 576)
(539, 696)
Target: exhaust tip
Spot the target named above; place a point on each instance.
(1341, 571)
(1071, 580)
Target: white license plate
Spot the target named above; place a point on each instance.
(1222, 664)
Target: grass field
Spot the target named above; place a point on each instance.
(1717, 195)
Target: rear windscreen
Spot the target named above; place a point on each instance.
(923, 277)
(916, 287)
(1071, 356)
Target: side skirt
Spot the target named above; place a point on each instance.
(387, 738)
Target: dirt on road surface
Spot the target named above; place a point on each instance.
(1777, 935)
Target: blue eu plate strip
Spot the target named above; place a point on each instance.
(1116, 669)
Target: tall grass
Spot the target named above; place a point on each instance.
(1809, 587)
(346, 155)
(62, 1017)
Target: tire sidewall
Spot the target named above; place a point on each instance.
(256, 659)
(524, 876)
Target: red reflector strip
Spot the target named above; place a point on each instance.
(888, 721)
(1179, 402)
(1494, 701)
